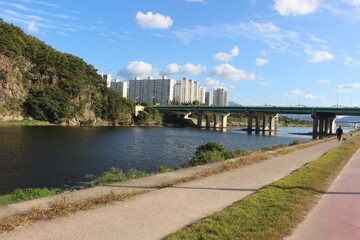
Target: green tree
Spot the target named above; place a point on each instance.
(50, 104)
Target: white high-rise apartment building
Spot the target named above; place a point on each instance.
(220, 97)
(107, 79)
(153, 91)
(122, 87)
(188, 91)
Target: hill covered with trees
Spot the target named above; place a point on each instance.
(38, 82)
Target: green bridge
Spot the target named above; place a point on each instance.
(265, 117)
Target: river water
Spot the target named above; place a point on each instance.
(33, 156)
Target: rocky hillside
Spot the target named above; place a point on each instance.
(38, 82)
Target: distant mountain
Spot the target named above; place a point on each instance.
(348, 119)
(297, 116)
(233, 104)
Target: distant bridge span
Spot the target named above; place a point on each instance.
(323, 117)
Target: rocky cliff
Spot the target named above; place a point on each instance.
(38, 82)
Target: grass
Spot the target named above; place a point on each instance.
(25, 122)
(117, 175)
(274, 211)
(21, 195)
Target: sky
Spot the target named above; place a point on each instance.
(264, 52)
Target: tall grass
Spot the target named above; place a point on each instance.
(21, 195)
(117, 175)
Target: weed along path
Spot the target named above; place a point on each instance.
(156, 214)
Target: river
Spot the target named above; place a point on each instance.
(34, 156)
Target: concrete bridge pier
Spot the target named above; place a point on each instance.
(200, 118)
(270, 122)
(323, 123)
(250, 121)
(257, 122)
(220, 120)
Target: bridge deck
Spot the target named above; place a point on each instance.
(281, 110)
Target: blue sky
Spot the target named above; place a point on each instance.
(278, 52)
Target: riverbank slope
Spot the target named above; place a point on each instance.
(196, 199)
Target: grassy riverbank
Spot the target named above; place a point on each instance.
(21, 195)
(25, 122)
(274, 211)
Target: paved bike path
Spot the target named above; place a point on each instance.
(337, 214)
(156, 214)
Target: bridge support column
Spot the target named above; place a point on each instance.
(266, 124)
(332, 125)
(207, 119)
(274, 122)
(321, 126)
(199, 120)
(257, 123)
(315, 123)
(270, 122)
(216, 120)
(250, 122)
(220, 120)
(224, 120)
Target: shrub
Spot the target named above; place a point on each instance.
(212, 152)
(210, 146)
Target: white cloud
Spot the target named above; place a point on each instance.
(220, 56)
(264, 84)
(296, 7)
(347, 88)
(138, 69)
(188, 69)
(310, 96)
(261, 61)
(321, 56)
(294, 93)
(352, 2)
(150, 20)
(298, 93)
(212, 84)
(324, 81)
(62, 33)
(273, 36)
(315, 39)
(228, 72)
(32, 27)
(349, 61)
